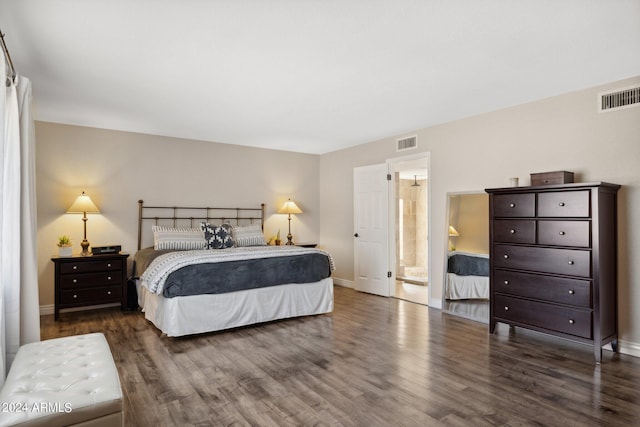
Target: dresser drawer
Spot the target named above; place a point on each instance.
(514, 205)
(514, 231)
(91, 279)
(548, 288)
(564, 233)
(88, 266)
(567, 320)
(571, 262)
(564, 204)
(101, 295)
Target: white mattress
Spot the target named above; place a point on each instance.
(466, 287)
(205, 313)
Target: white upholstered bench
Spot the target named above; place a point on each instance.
(70, 381)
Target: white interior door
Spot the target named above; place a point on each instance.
(371, 236)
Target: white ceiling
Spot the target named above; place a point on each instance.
(309, 75)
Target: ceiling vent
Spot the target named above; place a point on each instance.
(408, 143)
(621, 98)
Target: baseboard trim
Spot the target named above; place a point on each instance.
(50, 308)
(343, 282)
(629, 348)
(47, 309)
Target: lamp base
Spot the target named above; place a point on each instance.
(289, 239)
(85, 248)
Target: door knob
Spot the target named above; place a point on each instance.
(356, 235)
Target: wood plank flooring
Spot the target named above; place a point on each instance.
(373, 362)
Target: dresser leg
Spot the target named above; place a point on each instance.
(597, 353)
(614, 345)
(492, 326)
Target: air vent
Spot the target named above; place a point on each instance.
(621, 98)
(408, 143)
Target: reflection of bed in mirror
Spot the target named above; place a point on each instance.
(467, 276)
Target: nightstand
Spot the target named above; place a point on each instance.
(307, 245)
(90, 280)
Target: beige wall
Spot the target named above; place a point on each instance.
(118, 168)
(469, 214)
(560, 133)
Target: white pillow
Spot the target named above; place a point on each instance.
(248, 235)
(177, 238)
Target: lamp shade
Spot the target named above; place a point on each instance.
(83, 204)
(289, 207)
(453, 232)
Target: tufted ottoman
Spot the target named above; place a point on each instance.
(63, 381)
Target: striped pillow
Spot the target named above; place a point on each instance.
(177, 238)
(249, 235)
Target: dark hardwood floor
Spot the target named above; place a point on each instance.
(373, 362)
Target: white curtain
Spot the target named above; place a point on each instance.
(19, 305)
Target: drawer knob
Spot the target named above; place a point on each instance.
(506, 282)
(571, 263)
(562, 233)
(571, 292)
(75, 296)
(109, 265)
(108, 277)
(512, 205)
(571, 321)
(561, 204)
(108, 292)
(75, 280)
(512, 231)
(506, 308)
(75, 267)
(506, 256)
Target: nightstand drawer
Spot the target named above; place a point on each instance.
(90, 279)
(565, 233)
(514, 205)
(514, 231)
(547, 288)
(571, 262)
(102, 295)
(558, 318)
(88, 266)
(564, 204)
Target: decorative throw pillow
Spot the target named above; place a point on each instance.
(177, 238)
(249, 235)
(217, 237)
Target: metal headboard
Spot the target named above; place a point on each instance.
(176, 216)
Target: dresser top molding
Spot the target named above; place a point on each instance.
(550, 187)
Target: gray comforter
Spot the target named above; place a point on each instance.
(275, 268)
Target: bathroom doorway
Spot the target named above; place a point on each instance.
(411, 208)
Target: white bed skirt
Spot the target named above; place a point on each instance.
(466, 287)
(206, 313)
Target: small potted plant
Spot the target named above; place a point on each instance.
(64, 246)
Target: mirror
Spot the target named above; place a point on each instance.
(466, 281)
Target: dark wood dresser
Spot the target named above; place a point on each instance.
(553, 261)
(90, 280)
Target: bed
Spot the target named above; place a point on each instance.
(467, 276)
(210, 269)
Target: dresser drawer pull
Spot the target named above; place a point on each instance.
(512, 205)
(562, 233)
(75, 267)
(571, 292)
(561, 204)
(108, 277)
(571, 321)
(108, 292)
(506, 282)
(75, 280)
(75, 296)
(506, 256)
(506, 308)
(109, 265)
(571, 263)
(512, 231)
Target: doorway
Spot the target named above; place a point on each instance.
(409, 211)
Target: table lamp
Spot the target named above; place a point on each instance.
(289, 208)
(84, 205)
